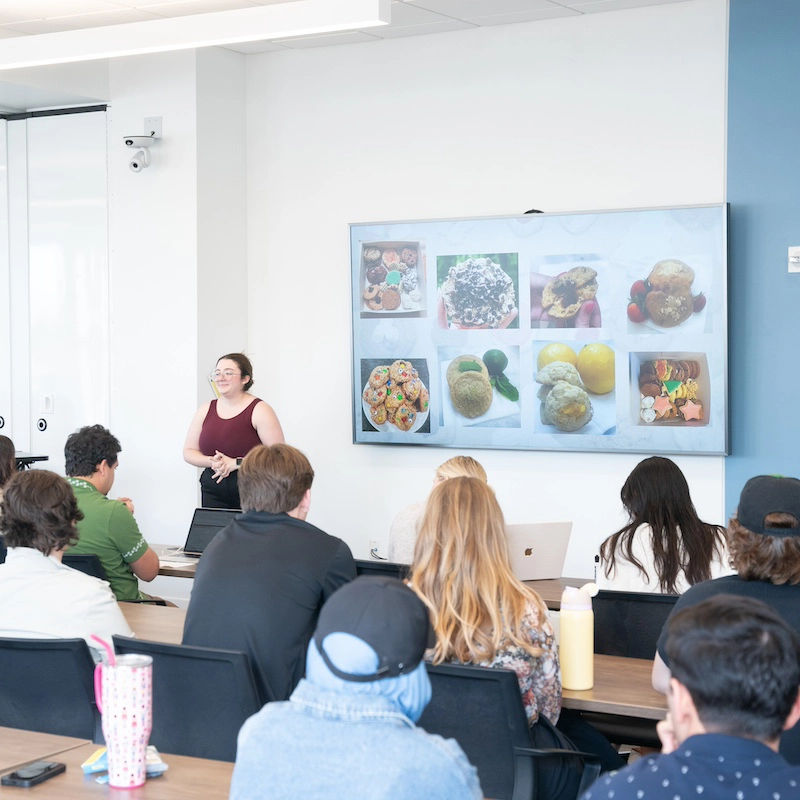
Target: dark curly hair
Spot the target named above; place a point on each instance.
(87, 448)
(759, 557)
(8, 463)
(39, 510)
(656, 494)
(245, 367)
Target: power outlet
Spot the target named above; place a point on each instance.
(373, 547)
(794, 259)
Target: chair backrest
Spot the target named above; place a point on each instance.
(482, 710)
(201, 697)
(629, 623)
(47, 685)
(386, 569)
(790, 744)
(85, 562)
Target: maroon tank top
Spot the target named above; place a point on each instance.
(234, 437)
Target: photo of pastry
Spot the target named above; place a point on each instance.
(669, 389)
(577, 388)
(395, 395)
(478, 291)
(392, 278)
(564, 292)
(480, 391)
(666, 298)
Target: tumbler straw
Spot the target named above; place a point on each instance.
(112, 658)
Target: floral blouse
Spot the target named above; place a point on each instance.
(539, 677)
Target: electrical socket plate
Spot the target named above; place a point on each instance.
(152, 124)
(373, 546)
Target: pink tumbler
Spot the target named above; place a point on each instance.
(124, 695)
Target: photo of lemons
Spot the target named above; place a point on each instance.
(557, 351)
(596, 367)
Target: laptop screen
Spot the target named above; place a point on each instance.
(206, 523)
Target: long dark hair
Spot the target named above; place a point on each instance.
(656, 494)
(8, 462)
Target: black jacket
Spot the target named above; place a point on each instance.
(259, 587)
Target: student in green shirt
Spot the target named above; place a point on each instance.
(108, 528)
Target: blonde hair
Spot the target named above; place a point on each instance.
(462, 573)
(461, 467)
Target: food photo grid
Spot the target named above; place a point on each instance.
(600, 331)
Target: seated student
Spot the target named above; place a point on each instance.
(403, 533)
(8, 462)
(483, 615)
(734, 689)
(41, 598)
(108, 528)
(764, 542)
(348, 729)
(263, 579)
(8, 468)
(665, 547)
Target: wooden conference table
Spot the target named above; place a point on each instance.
(621, 685)
(179, 566)
(186, 777)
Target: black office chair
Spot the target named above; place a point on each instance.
(47, 685)
(482, 710)
(629, 623)
(386, 569)
(85, 562)
(201, 697)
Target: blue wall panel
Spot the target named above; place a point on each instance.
(764, 195)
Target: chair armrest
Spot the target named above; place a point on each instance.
(591, 762)
(544, 752)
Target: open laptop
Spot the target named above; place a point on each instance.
(206, 523)
(538, 550)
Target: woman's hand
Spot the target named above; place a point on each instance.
(222, 465)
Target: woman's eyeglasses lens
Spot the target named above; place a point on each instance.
(227, 374)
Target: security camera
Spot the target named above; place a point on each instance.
(139, 141)
(140, 160)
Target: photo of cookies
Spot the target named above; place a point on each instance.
(392, 279)
(478, 292)
(480, 390)
(576, 388)
(395, 395)
(667, 297)
(669, 389)
(564, 291)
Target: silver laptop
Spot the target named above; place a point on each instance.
(538, 550)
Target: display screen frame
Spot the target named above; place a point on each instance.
(558, 282)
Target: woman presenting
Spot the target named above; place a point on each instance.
(224, 431)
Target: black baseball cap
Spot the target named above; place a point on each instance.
(384, 613)
(769, 494)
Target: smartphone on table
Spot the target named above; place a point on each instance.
(33, 773)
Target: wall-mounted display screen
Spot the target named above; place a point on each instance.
(588, 331)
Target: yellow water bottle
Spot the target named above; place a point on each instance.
(577, 637)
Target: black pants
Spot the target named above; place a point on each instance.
(220, 495)
(587, 738)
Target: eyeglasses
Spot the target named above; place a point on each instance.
(227, 374)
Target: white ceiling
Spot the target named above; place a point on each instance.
(409, 17)
(23, 20)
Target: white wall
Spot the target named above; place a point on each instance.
(615, 110)
(153, 289)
